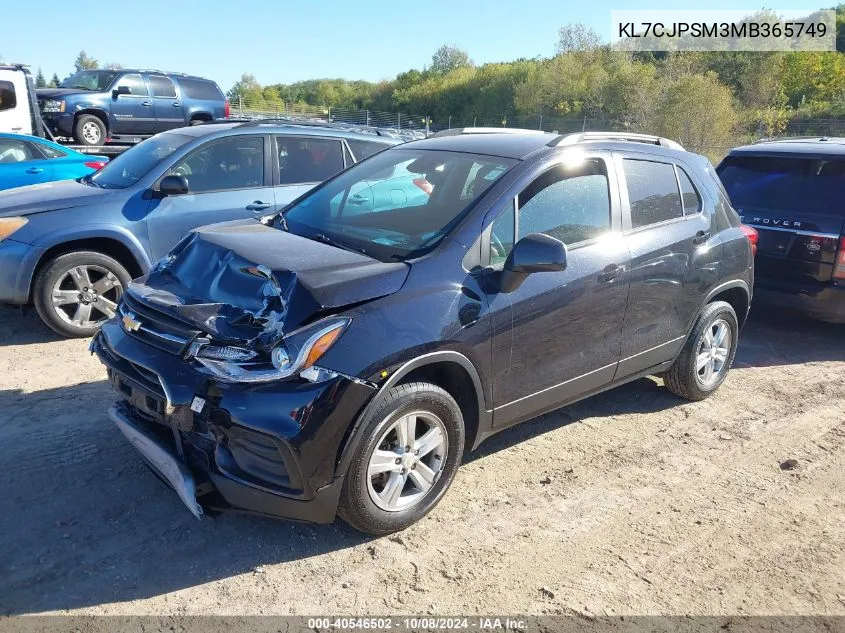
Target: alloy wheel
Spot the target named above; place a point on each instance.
(85, 296)
(407, 461)
(713, 352)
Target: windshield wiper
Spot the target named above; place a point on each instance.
(325, 239)
(86, 179)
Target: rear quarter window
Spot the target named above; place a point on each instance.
(365, 149)
(200, 89)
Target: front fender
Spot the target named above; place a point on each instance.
(70, 234)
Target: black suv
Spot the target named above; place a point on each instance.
(793, 192)
(340, 356)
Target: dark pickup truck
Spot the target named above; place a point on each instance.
(93, 106)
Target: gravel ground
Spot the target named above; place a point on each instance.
(630, 502)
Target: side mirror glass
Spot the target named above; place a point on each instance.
(120, 90)
(534, 253)
(173, 185)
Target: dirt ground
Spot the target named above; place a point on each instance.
(631, 502)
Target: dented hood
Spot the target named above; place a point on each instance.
(249, 283)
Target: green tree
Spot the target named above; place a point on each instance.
(449, 58)
(40, 81)
(54, 82)
(84, 62)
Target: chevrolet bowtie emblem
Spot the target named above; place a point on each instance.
(130, 324)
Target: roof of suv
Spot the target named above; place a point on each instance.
(286, 128)
(816, 145)
(520, 144)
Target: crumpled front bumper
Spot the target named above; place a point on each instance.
(270, 448)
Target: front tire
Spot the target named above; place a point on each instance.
(412, 447)
(89, 130)
(76, 292)
(708, 354)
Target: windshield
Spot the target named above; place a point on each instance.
(808, 185)
(98, 80)
(133, 164)
(398, 204)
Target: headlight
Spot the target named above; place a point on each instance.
(10, 225)
(53, 105)
(296, 353)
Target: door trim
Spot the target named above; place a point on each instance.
(650, 357)
(552, 397)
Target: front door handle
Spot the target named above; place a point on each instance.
(146, 104)
(701, 237)
(258, 206)
(34, 170)
(610, 272)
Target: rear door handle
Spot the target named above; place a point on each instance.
(701, 237)
(258, 206)
(176, 104)
(34, 170)
(610, 272)
(146, 104)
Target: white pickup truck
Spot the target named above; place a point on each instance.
(19, 113)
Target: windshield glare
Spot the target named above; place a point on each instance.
(98, 80)
(136, 162)
(399, 203)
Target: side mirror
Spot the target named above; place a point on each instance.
(534, 253)
(173, 185)
(120, 90)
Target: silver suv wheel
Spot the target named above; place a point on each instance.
(407, 461)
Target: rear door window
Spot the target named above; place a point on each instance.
(50, 152)
(304, 160)
(652, 192)
(162, 87)
(786, 184)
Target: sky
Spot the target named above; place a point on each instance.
(284, 42)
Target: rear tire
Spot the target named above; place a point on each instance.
(89, 130)
(197, 122)
(429, 421)
(76, 292)
(708, 354)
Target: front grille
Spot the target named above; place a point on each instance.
(157, 329)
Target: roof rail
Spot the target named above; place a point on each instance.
(578, 137)
(351, 127)
(456, 131)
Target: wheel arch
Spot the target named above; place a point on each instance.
(737, 294)
(200, 116)
(100, 114)
(451, 371)
(130, 257)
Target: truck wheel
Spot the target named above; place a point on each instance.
(89, 130)
(411, 448)
(75, 292)
(197, 122)
(706, 358)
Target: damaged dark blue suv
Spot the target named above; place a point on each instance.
(338, 357)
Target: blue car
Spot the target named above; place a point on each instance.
(28, 160)
(93, 106)
(72, 247)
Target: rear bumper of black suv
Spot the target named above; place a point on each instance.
(825, 303)
(269, 449)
